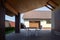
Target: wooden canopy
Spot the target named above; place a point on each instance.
(15, 6)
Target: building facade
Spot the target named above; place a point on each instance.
(36, 19)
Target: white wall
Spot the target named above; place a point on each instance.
(26, 23)
(22, 19)
(7, 24)
(44, 24)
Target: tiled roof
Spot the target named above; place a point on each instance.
(9, 23)
(37, 15)
(12, 24)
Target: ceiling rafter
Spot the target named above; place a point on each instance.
(52, 5)
(10, 8)
(49, 8)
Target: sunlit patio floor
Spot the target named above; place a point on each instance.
(32, 34)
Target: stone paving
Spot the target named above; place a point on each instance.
(32, 35)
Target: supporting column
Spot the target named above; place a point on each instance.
(56, 21)
(17, 22)
(2, 21)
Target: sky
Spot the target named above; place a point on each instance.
(22, 21)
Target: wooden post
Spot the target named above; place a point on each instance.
(2, 21)
(17, 22)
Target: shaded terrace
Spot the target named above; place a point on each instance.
(16, 7)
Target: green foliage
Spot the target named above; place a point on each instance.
(9, 29)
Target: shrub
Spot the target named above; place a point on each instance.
(9, 29)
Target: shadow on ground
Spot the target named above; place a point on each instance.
(32, 35)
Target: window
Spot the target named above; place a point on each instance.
(48, 21)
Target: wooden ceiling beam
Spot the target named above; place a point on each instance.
(54, 3)
(51, 5)
(49, 8)
(10, 8)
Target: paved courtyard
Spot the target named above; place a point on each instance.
(32, 34)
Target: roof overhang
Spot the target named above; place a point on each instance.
(21, 6)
